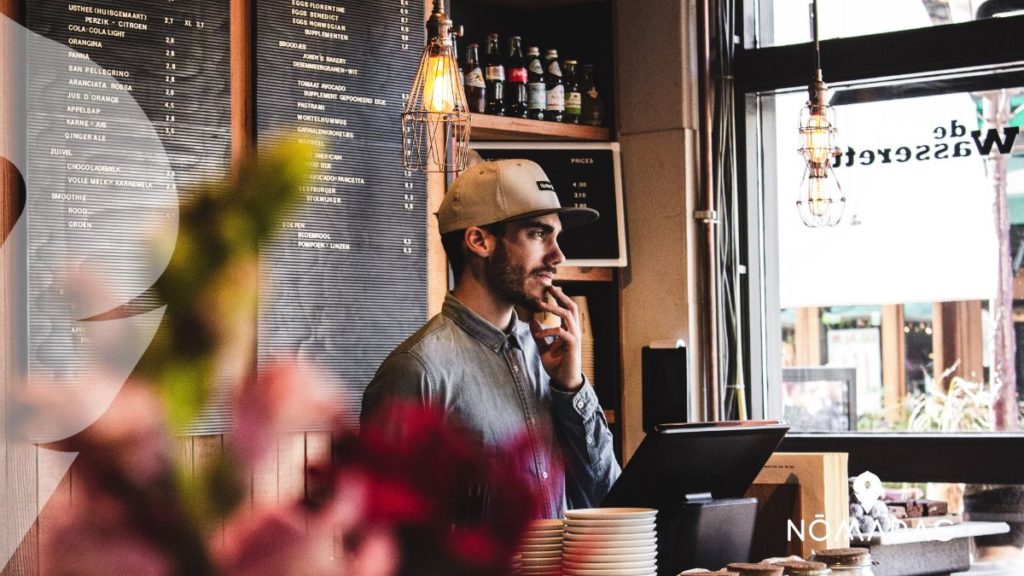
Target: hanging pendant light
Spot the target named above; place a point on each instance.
(435, 122)
(821, 201)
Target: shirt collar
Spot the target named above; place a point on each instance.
(483, 330)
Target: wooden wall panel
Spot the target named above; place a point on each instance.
(204, 450)
(318, 453)
(22, 483)
(264, 481)
(243, 130)
(291, 468)
(53, 509)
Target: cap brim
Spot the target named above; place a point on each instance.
(570, 216)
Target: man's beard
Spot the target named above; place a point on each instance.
(509, 280)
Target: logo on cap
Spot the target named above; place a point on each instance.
(545, 185)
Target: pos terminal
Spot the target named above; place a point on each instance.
(695, 475)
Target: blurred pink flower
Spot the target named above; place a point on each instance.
(412, 495)
(297, 541)
(455, 507)
(131, 440)
(378, 554)
(98, 536)
(284, 397)
(274, 543)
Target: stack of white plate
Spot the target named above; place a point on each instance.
(541, 551)
(610, 542)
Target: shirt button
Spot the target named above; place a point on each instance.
(590, 439)
(515, 368)
(544, 475)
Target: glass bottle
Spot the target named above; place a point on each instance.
(515, 84)
(476, 93)
(592, 106)
(846, 561)
(535, 89)
(573, 100)
(494, 77)
(554, 88)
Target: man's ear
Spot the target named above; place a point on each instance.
(480, 242)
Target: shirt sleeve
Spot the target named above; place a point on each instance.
(401, 377)
(591, 468)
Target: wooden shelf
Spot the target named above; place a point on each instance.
(574, 274)
(490, 128)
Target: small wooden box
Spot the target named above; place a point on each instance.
(801, 494)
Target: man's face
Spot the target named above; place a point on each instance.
(525, 260)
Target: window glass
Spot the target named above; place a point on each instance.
(895, 319)
(782, 22)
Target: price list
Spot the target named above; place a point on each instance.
(128, 106)
(344, 281)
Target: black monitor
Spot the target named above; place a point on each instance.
(687, 459)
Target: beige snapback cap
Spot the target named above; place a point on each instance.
(501, 191)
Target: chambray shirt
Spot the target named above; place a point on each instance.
(493, 382)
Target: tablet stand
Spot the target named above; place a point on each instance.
(705, 532)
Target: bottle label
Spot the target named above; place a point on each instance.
(554, 69)
(496, 73)
(475, 78)
(537, 95)
(535, 66)
(517, 75)
(556, 98)
(574, 103)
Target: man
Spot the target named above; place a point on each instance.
(496, 374)
(996, 554)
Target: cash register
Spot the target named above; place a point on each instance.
(695, 475)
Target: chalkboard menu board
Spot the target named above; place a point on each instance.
(127, 103)
(587, 175)
(345, 280)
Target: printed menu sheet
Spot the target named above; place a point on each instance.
(344, 281)
(127, 104)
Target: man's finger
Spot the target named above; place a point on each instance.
(561, 337)
(564, 302)
(547, 332)
(559, 311)
(563, 299)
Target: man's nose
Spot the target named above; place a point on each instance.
(555, 255)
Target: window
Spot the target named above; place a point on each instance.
(785, 22)
(913, 292)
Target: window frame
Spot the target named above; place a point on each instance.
(966, 457)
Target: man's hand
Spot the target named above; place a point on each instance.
(563, 357)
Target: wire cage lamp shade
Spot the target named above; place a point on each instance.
(436, 120)
(821, 201)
